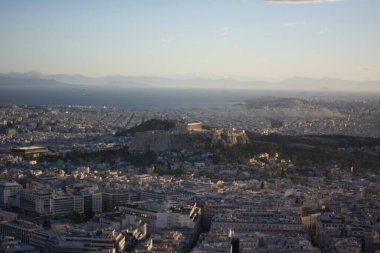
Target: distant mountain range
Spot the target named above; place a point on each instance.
(36, 79)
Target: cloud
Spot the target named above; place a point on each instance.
(225, 31)
(303, 1)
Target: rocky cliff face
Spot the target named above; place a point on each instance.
(228, 137)
(167, 140)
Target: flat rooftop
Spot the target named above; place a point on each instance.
(8, 183)
(30, 150)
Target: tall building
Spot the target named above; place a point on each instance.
(112, 199)
(106, 240)
(47, 201)
(62, 204)
(264, 221)
(97, 202)
(19, 229)
(8, 189)
(92, 201)
(37, 201)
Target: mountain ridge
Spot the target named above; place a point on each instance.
(293, 83)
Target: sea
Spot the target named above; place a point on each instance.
(140, 98)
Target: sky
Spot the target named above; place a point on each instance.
(243, 39)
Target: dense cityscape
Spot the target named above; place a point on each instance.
(98, 179)
(190, 126)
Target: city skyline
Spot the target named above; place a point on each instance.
(190, 126)
(247, 40)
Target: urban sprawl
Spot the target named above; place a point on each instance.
(269, 175)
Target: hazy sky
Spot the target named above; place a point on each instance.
(255, 39)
